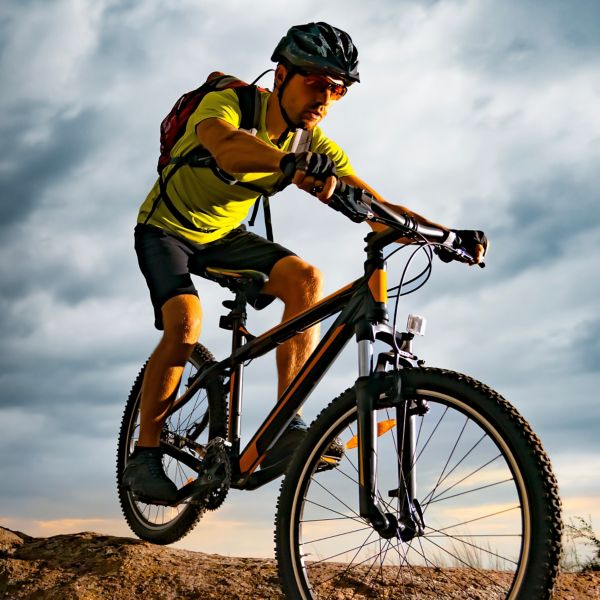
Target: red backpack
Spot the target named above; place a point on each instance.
(174, 125)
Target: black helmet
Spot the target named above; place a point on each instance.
(320, 48)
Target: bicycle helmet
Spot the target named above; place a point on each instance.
(320, 48)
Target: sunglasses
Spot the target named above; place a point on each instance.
(322, 83)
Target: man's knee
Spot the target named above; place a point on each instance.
(182, 319)
(293, 280)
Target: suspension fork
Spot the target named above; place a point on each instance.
(409, 521)
(367, 391)
(410, 516)
(407, 488)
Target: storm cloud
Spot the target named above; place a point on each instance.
(475, 114)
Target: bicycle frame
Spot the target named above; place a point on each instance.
(362, 308)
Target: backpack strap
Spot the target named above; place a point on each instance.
(249, 100)
(302, 141)
(264, 200)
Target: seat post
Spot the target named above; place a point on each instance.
(236, 322)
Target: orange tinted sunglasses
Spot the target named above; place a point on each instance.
(322, 83)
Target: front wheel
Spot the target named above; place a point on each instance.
(190, 428)
(485, 488)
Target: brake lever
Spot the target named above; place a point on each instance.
(468, 258)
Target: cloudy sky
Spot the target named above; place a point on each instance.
(478, 114)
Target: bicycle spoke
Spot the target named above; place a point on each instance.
(337, 535)
(440, 478)
(458, 539)
(483, 487)
(455, 467)
(357, 519)
(436, 568)
(431, 434)
(436, 498)
(460, 560)
(499, 512)
(357, 548)
(366, 575)
(334, 496)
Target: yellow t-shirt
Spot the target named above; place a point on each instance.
(212, 205)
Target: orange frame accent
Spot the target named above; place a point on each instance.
(250, 458)
(378, 285)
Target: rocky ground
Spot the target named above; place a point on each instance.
(88, 566)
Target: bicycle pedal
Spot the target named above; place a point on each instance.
(147, 500)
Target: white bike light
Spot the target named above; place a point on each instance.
(416, 324)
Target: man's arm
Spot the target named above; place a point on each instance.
(354, 181)
(235, 150)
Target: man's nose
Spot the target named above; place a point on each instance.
(324, 96)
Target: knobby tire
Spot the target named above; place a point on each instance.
(165, 524)
(491, 509)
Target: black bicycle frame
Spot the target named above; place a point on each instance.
(362, 308)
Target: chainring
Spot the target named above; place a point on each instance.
(216, 466)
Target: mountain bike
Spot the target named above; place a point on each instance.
(442, 489)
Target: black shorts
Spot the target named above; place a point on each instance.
(167, 260)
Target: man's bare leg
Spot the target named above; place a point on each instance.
(182, 319)
(144, 473)
(299, 285)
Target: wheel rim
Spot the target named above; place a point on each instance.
(475, 509)
(152, 516)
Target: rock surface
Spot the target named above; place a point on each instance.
(89, 566)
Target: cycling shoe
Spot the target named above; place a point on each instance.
(145, 477)
(332, 457)
(280, 454)
(278, 458)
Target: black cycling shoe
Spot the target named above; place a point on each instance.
(280, 454)
(145, 477)
(278, 458)
(332, 457)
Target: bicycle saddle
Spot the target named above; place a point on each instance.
(242, 280)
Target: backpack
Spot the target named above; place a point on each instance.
(174, 125)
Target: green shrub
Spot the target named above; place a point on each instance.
(577, 532)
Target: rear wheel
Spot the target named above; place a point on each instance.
(488, 497)
(190, 428)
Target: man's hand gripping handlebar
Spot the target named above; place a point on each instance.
(359, 205)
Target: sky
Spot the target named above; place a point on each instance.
(476, 114)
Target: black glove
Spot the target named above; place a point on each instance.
(349, 201)
(464, 239)
(319, 166)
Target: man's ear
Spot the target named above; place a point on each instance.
(280, 75)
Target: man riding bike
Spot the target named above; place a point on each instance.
(316, 63)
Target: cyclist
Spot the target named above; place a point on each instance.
(316, 64)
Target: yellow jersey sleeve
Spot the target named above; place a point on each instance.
(221, 105)
(324, 145)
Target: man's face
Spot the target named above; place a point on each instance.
(308, 96)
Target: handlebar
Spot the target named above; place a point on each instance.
(377, 212)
